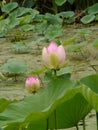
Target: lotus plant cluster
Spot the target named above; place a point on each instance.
(53, 57)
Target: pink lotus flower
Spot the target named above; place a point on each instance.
(32, 84)
(53, 56)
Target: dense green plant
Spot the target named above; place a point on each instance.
(57, 6)
(27, 19)
(92, 14)
(51, 5)
(16, 16)
(63, 5)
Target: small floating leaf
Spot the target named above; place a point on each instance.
(88, 18)
(15, 67)
(53, 31)
(93, 9)
(76, 47)
(64, 70)
(27, 27)
(60, 2)
(70, 40)
(66, 14)
(83, 31)
(95, 43)
(7, 8)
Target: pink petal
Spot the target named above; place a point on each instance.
(38, 82)
(52, 47)
(29, 81)
(61, 54)
(45, 56)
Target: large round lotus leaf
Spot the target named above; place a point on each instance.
(90, 89)
(39, 106)
(13, 126)
(3, 104)
(39, 125)
(70, 112)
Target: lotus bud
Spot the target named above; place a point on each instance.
(53, 56)
(32, 84)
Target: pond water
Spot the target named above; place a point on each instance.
(82, 65)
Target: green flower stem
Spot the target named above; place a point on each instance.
(77, 128)
(84, 128)
(15, 77)
(55, 118)
(55, 73)
(97, 119)
(55, 113)
(23, 2)
(47, 127)
(55, 7)
(41, 80)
